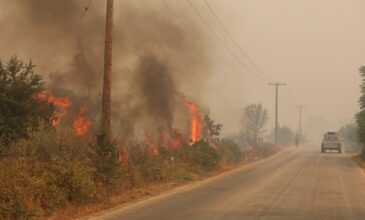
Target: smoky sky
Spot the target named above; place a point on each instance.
(316, 47)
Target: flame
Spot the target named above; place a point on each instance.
(165, 139)
(62, 105)
(123, 156)
(177, 141)
(154, 151)
(81, 124)
(195, 123)
(152, 147)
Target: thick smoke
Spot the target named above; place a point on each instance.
(156, 59)
(157, 88)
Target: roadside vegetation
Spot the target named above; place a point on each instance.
(360, 116)
(286, 136)
(49, 170)
(355, 133)
(43, 171)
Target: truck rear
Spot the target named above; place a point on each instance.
(331, 141)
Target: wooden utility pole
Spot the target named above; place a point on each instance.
(276, 107)
(300, 120)
(108, 52)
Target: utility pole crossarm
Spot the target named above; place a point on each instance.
(277, 84)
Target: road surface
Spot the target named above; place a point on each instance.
(297, 184)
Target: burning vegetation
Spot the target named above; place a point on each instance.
(156, 70)
(156, 115)
(81, 123)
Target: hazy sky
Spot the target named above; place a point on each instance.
(315, 46)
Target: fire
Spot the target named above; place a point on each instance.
(165, 139)
(152, 147)
(177, 141)
(81, 124)
(195, 124)
(123, 156)
(62, 105)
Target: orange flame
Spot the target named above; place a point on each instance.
(152, 147)
(123, 156)
(81, 124)
(177, 141)
(165, 139)
(61, 104)
(195, 124)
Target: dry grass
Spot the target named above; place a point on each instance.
(140, 193)
(357, 159)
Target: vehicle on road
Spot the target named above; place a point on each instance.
(331, 141)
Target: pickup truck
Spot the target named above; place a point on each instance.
(331, 141)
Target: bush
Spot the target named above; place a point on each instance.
(16, 187)
(200, 156)
(46, 172)
(266, 149)
(48, 146)
(362, 154)
(19, 110)
(230, 151)
(106, 160)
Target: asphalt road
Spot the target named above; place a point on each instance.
(297, 184)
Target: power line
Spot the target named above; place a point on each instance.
(168, 6)
(221, 41)
(86, 9)
(174, 12)
(235, 42)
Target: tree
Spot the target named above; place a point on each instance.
(360, 117)
(286, 136)
(254, 118)
(212, 129)
(19, 111)
(349, 133)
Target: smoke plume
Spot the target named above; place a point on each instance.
(157, 60)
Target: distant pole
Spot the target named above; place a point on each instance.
(276, 107)
(300, 120)
(108, 51)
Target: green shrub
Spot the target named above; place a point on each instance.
(45, 172)
(106, 160)
(19, 110)
(266, 149)
(230, 151)
(200, 156)
(48, 146)
(152, 173)
(16, 187)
